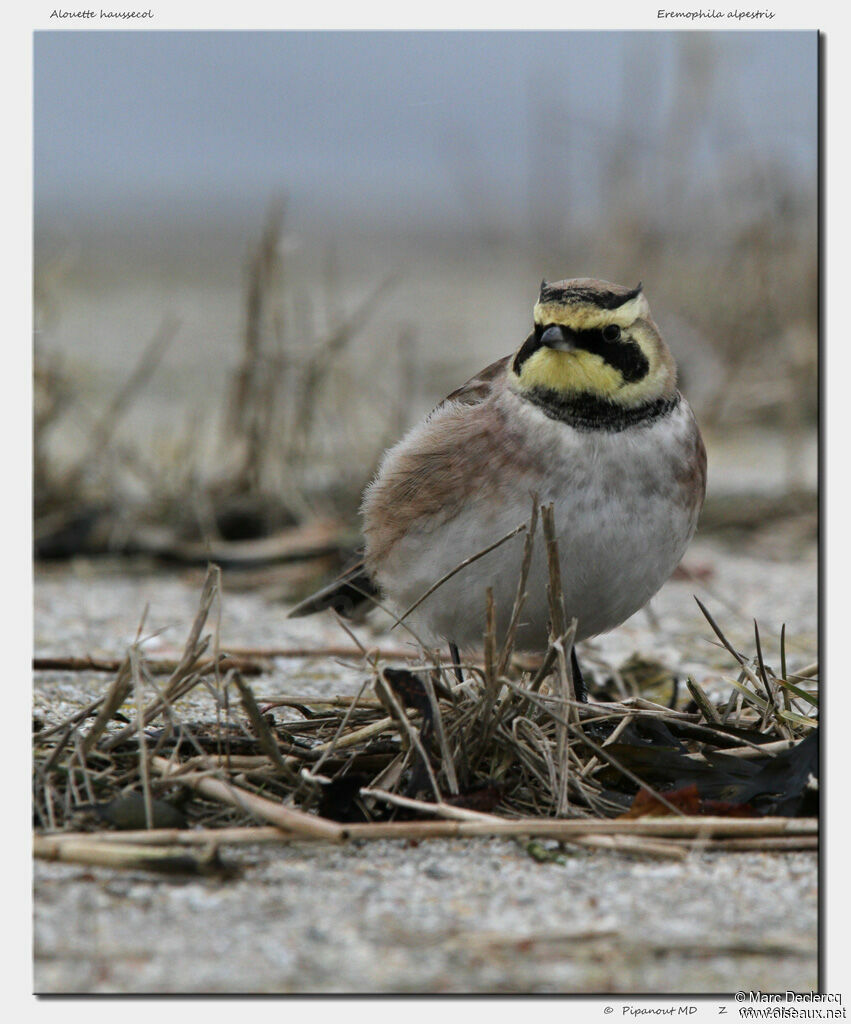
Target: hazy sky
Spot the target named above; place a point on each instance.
(399, 126)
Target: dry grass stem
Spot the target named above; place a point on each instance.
(261, 727)
(506, 751)
(633, 844)
(185, 675)
(462, 565)
(440, 810)
(293, 821)
(703, 702)
(715, 833)
(555, 593)
(385, 693)
(520, 597)
(448, 761)
(128, 856)
(670, 827)
(331, 746)
(117, 693)
(144, 775)
(155, 666)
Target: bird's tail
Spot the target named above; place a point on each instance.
(351, 594)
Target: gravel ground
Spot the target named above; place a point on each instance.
(447, 916)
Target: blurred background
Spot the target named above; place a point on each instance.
(260, 257)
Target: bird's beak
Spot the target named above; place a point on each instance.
(560, 338)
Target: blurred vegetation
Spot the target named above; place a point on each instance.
(332, 362)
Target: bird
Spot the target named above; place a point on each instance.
(585, 414)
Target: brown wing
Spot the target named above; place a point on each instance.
(464, 447)
(427, 481)
(478, 388)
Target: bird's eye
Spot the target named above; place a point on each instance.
(611, 332)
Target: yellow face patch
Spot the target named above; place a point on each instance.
(565, 372)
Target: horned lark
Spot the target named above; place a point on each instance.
(586, 415)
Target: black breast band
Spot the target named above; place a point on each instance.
(585, 411)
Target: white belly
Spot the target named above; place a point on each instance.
(622, 527)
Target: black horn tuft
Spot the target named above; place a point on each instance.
(613, 301)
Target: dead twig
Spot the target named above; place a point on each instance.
(552, 828)
(297, 823)
(156, 666)
(185, 674)
(129, 856)
(462, 565)
(261, 727)
(713, 833)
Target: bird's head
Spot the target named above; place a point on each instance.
(596, 340)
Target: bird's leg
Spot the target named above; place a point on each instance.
(672, 703)
(456, 660)
(579, 687)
